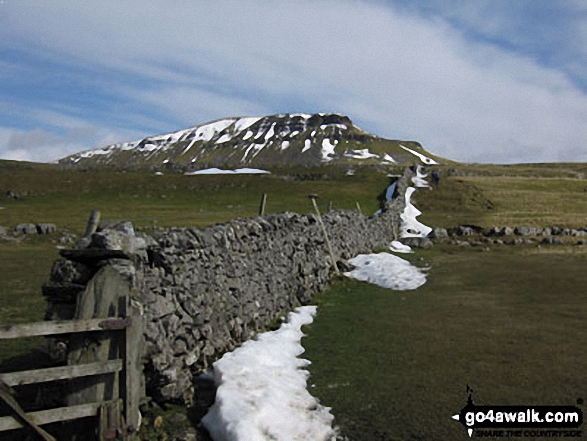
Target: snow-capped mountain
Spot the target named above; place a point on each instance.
(269, 141)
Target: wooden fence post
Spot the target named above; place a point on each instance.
(263, 203)
(313, 198)
(93, 222)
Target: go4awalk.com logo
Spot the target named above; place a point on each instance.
(520, 421)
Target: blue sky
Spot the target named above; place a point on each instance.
(482, 81)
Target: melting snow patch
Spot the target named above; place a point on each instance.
(398, 247)
(207, 132)
(284, 145)
(387, 271)
(419, 180)
(262, 389)
(248, 134)
(245, 123)
(338, 126)
(327, 149)
(410, 227)
(424, 159)
(388, 158)
(219, 171)
(307, 145)
(361, 154)
(270, 133)
(223, 138)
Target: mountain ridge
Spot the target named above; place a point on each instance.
(268, 141)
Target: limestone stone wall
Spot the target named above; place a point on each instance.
(205, 291)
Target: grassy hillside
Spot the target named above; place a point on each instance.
(533, 195)
(64, 197)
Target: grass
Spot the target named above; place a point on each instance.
(65, 197)
(24, 267)
(395, 365)
(505, 201)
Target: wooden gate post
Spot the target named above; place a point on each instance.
(313, 198)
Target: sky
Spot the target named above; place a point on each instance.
(497, 81)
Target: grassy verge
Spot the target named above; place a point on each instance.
(23, 269)
(395, 365)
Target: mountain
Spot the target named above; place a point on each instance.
(263, 142)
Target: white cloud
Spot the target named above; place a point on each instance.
(398, 73)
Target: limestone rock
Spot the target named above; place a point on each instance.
(26, 229)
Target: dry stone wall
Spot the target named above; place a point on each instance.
(205, 291)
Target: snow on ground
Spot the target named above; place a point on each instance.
(410, 227)
(388, 158)
(419, 180)
(284, 145)
(224, 138)
(361, 154)
(219, 171)
(387, 271)
(245, 123)
(207, 132)
(327, 149)
(423, 158)
(307, 145)
(398, 247)
(270, 132)
(262, 390)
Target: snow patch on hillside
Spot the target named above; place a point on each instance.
(262, 392)
(410, 227)
(423, 158)
(219, 171)
(307, 145)
(327, 150)
(245, 123)
(361, 154)
(387, 271)
(419, 180)
(208, 131)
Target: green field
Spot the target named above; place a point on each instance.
(392, 365)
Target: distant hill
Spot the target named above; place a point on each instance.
(262, 142)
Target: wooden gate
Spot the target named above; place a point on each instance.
(119, 417)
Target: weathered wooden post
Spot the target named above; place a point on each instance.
(93, 222)
(263, 203)
(313, 198)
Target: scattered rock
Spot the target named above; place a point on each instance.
(417, 242)
(25, 229)
(46, 228)
(439, 233)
